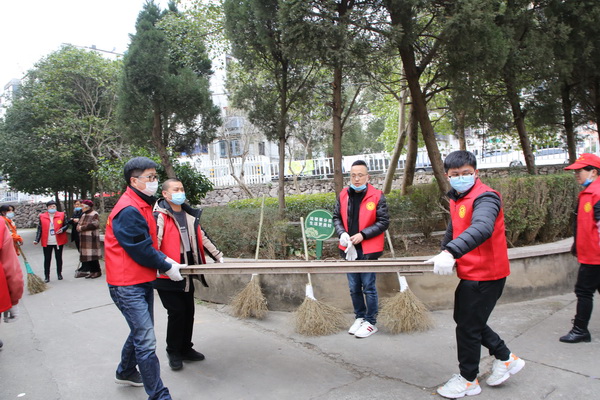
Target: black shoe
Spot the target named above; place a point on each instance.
(1, 344)
(577, 335)
(59, 277)
(192, 355)
(135, 379)
(47, 279)
(175, 361)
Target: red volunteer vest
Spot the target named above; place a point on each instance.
(122, 270)
(366, 217)
(171, 242)
(588, 248)
(488, 261)
(5, 301)
(59, 222)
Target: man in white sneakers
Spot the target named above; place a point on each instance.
(361, 219)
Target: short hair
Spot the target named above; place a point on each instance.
(136, 166)
(6, 208)
(360, 162)
(168, 182)
(459, 158)
(50, 203)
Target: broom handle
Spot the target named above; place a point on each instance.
(401, 280)
(305, 246)
(260, 224)
(22, 253)
(389, 240)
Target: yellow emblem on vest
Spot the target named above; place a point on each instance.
(370, 206)
(59, 221)
(587, 207)
(462, 210)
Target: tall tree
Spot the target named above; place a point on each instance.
(164, 95)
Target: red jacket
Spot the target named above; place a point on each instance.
(59, 222)
(587, 242)
(366, 217)
(11, 276)
(488, 261)
(121, 269)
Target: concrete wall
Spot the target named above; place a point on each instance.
(536, 271)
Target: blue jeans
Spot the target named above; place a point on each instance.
(136, 303)
(363, 292)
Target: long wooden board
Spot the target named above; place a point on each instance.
(313, 267)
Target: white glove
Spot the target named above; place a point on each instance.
(221, 260)
(351, 253)
(443, 263)
(12, 314)
(345, 239)
(173, 272)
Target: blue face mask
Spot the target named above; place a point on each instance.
(52, 210)
(462, 183)
(358, 188)
(178, 198)
(10, 215)
(587, 182)
(77, 208)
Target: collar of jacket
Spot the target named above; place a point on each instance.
(162, 205)
(148, 199)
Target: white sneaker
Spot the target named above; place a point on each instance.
(366, 330)
(357, 323)
(458, 387)
(502, 370)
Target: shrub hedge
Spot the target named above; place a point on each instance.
(537, 209)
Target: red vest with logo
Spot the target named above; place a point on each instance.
(121, 269)
(366, 217)
(588, 248)
(59, 222)
(5, 301)
(171, 241)
(488, 261)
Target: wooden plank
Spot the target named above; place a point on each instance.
(313, 267)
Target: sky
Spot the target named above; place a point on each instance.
(32, 29)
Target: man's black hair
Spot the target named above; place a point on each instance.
(360, 162)
(50, 203)
(136, 166)
(6, 208)
(459, 158)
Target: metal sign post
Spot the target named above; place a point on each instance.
(319, 226)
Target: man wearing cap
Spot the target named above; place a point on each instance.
(586, 246)
(132, 261)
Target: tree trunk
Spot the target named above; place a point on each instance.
(282, 141)
(519, 121)
(389, 177)
(460, 130)
(338, 178)
(411, 151)
(567, 108)
(157, 138)
(596, 96)
(420, 105)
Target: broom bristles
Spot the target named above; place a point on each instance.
(35, 284)
(405, 312)
(250, 302)
(315, 318)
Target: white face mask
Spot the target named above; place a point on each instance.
(151, 188)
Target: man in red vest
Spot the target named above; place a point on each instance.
(132, 261)
(586, 246)
(475, 241)
(181, 238)
(361, 218)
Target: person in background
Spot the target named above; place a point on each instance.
(475, 241)
(72, 222)
(90, 251)
(51, 233)
(181, 238)
(8, 213)
(132, 260)
(361, 218)
(586, 246)
(11, 278)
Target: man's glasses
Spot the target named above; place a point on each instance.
(151, 178)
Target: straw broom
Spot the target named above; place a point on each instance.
(313, 317)
(35, 284)
(251, 302)
(404, 312)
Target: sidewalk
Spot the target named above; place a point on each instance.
(67, 342)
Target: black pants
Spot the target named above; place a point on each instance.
(473, 304)
(48, 259)
(588, 281)
(180, 319)
(90, 266)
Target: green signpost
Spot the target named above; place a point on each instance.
(319, 226)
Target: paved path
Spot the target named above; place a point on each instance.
(67, 342)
